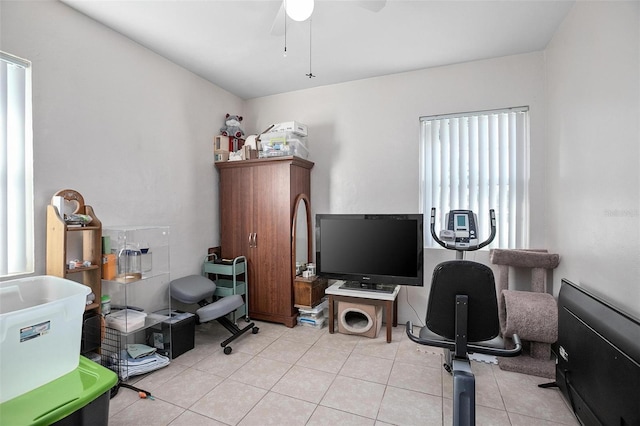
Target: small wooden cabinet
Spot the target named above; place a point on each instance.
(308, 292)
(257, 199)
(66, 243)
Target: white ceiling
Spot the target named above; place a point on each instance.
(231, 42)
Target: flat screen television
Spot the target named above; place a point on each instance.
(598, 368)
(370, 251)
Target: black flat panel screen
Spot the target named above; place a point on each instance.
(598, 366)
(384, 249)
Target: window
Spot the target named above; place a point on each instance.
(478, 161)
(16, 167)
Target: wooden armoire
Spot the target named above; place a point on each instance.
(257, 200)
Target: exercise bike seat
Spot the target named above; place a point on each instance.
(426, 335)
(481, 325)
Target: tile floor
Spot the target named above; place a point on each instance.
(304, 376)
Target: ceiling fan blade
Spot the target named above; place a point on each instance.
(372, 5)
(277, 28)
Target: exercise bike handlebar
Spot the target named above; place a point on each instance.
(437, 239)
(433, 228)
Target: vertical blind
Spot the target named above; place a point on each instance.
(478, 161)
(16, 167)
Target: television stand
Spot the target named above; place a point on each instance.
(379, 288)
(389, 302)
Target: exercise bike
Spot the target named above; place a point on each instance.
(462, 311)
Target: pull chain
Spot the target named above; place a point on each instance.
(310, 75)
(285, 28)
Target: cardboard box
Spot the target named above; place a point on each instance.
(221, 155)
(109, 266)
(248, 153)
(227, 143)
(291, 126)
(221, 143)
(236, 144)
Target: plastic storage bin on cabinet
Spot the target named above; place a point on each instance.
(40, 330)
(80, 397)
(281, 149)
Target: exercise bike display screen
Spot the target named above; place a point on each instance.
(461, 222)
(460, 230)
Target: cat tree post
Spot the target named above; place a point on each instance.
(533, 315)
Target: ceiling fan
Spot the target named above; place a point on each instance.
(301, 10)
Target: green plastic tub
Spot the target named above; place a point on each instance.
(80, 397)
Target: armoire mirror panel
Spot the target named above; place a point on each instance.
(301, 234)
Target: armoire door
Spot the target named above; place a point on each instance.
(272, 249)
(236, 211)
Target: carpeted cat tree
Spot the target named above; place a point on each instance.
(533, 315)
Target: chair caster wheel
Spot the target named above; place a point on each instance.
(255, 330)
(227, 350)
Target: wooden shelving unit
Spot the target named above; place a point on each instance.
(68, 242)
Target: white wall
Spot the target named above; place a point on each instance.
(364, 139)
(593, 90)
(131, 131)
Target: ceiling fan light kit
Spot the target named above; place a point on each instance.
(299, 10)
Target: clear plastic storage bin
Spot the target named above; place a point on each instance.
(40, 330)
(126, 320)
(281, 148)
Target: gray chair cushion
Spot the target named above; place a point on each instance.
(192, 288)
(219, 308)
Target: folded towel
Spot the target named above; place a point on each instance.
(136, 366)
(138, 350)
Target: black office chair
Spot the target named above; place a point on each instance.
(462, 316)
